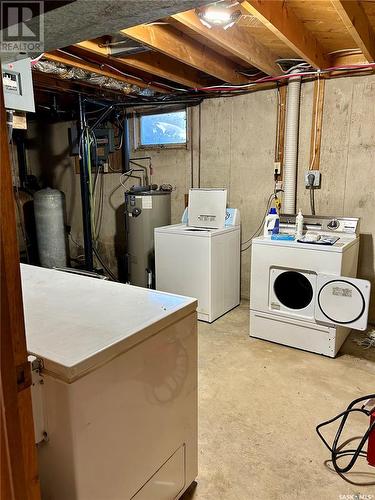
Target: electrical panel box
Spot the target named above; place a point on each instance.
(18, 85)
(105, 142)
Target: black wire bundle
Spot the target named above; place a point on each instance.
(336, 450)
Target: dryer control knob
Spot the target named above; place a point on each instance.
(333, 224)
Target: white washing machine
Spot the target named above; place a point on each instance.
(202, 263)
(305, 295)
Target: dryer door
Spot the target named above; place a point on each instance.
(342, 301)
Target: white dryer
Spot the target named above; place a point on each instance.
(202, 263)
(305, 295)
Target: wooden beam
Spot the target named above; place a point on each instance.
(153, 63)
(279, 18)
(69, 60)
(239, 43)
(358, 25)
(19, 471)
(177, 45)
(348, 59)
(280, 131)
(316, 125)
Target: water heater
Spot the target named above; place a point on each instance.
(144, 211)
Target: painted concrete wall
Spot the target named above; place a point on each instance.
(238, 140)
(347, 161)
(237, 152)
(231, 145)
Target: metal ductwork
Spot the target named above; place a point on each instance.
(125, 47)
(71, 73)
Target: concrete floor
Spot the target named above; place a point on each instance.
(259, 404)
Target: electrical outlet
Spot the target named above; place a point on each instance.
(277, 167)
(317, 176)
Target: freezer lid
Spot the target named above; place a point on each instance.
(342, 301)
(77, 323)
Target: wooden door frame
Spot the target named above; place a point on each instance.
(19, 472)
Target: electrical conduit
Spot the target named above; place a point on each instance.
(291, 143)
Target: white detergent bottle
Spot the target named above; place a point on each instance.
(271, 223)
(299, 225)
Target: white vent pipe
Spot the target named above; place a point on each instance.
(291, 143)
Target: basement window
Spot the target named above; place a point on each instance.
(162, 130)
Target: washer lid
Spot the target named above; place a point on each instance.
(342, 301)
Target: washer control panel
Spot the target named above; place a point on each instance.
(327, 224)
(333, 224)
(344, 225)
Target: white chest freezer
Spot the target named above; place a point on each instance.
(115, 399)
(201, 263)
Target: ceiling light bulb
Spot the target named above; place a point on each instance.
(217, 15)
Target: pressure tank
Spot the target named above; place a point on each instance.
(49, 206)
(144, 211)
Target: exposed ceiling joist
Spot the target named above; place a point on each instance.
(358, 25)
(281, 20)
(153, 63)
(239, 43)
(64, 58)
(164, 67)
(88, 19)
(171, 42)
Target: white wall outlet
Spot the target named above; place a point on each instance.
(317, 177)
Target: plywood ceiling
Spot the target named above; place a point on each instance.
(321, 18)
(182, 52)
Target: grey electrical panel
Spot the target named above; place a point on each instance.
(18, 85)
(105, 142)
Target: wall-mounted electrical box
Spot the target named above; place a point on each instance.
(316, 181)
(18, 85)
(277, 167)
(105, 142)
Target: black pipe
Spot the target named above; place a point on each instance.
(20, 138)
(126, 143)
(101, 117)
(85, 187)
(193, 101)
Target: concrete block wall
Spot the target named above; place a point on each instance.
(231, 144)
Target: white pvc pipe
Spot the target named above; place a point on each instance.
(291, 144)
